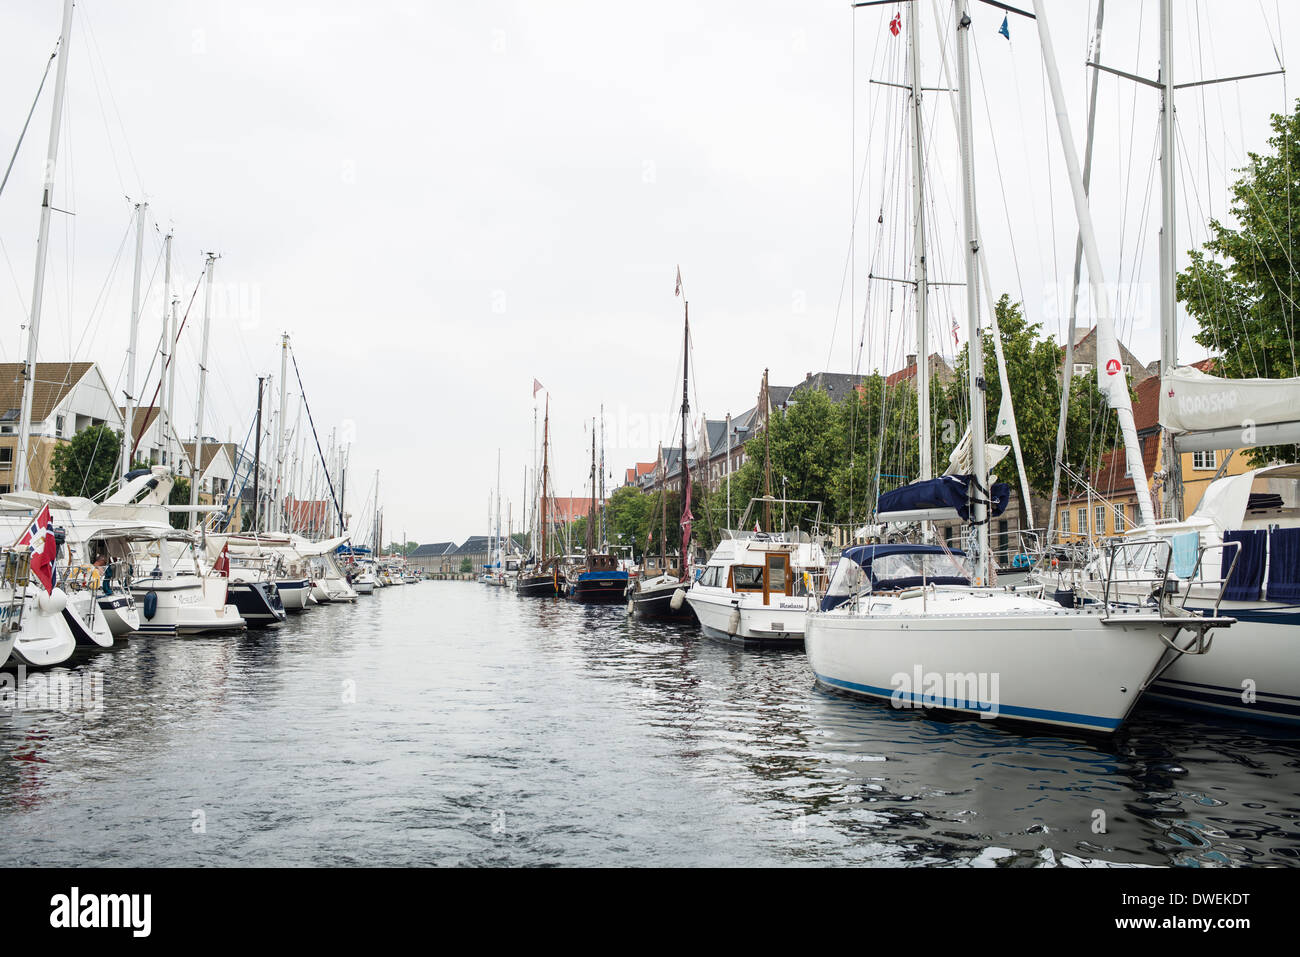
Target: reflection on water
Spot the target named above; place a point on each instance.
(450, 723)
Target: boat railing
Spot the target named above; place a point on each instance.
(14, 577)
(1143, 567)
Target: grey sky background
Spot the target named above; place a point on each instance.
(441, 202)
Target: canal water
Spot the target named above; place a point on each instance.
(448, 723)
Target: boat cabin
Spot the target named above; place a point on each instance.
(876, 569)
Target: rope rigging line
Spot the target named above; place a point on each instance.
(319, 451)
(26, 122)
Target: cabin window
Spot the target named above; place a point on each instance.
(747, 578)
(1205, 461)
(777, 579)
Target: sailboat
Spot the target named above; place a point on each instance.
(545, 579)
(664, 596)
(919, 626)
(598, 576)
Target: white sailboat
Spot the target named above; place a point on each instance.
(920, 627)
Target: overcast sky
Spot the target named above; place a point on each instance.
(440, 202)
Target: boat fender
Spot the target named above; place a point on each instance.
(52, 603)
(678, 599)
(733, 623)
(630, 605)
(150, 604)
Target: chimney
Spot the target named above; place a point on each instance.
(911, 359)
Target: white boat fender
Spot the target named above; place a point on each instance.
(678, 599)
(733, 623)
(630, 605)
(52, 603)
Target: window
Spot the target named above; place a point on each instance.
(776, 573)
(1082, 515)
(6, 489)
(1099, 520)
(1065, 521)
(747, 577)
(58, 425)
(6, 459)
(1205, 461)
(1082, 368)
(1120, 520)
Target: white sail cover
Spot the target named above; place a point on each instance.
(1216, 413)
(961, 461)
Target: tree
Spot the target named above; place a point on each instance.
(1033, 370)
(1242, 288)
(395, 548)
(86, 465)
(466, 566)
(180, 495)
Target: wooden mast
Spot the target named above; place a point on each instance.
(591, 512)
(546, 433)
(767, 457)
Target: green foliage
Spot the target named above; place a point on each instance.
(1242, 287)
(466, 566)
(180, 495)
(86, 465)
(396, 548)
(1033, 370)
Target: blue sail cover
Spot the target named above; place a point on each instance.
(946, 491)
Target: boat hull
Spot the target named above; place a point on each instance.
(541, 586)
(120, 613)
(654, 601)
(600, 587)
(259, 603)
(295, 594)
(741, 620)
(1067, 669)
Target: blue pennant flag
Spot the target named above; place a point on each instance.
(1005, 29)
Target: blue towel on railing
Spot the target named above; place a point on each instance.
(1186, 548)
(1284, 565)
(1248, 576)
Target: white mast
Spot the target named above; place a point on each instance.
(918, 250)
(21, 478)
(128, 424)
(164, 397)
(1173, 478)
(979, 470)
(196, 467)
(277, 496)
(1111, 381)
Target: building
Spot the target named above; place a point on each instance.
(310, 518)
(67, 397)
(1109, 507)
(479, 550)
(940, 371)
(1085, 359)
(434, 559)
(150, 445)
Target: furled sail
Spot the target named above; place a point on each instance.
(1205, 412)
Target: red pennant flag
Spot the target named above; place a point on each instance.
(896, 24)
(222, 565)
(537, 387)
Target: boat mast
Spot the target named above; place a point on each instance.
(1173, 478)
(979, 490)
(546, 439)
(686, 404)
(591, 512)
(604, 532)
(1111, 382)
(277, 497)
(128, 422)
(164, 397)
(257, 462)
(1067, 364)
(918, 253)
(767, 457)
(663, 511)
(196, 468)
(21, 477)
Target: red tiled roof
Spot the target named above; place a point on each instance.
(311, 514)
(908, 373)
(640, 469)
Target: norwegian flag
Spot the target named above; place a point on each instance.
(44, 549)
(896, 24)
(222, 565)
(42, 520)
